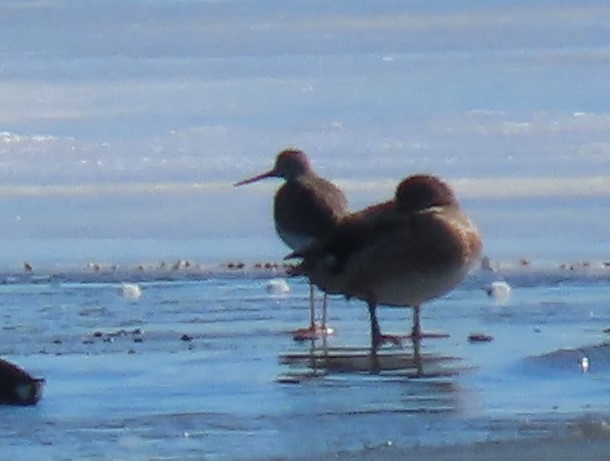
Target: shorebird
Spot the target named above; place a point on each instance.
(401, 253)
(305, 209)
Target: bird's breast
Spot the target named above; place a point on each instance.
(294, 240)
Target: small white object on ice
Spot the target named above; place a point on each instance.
(278, 286)
(131, 291)
(584, 364)
(500, 291)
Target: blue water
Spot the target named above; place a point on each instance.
(122, 381)
(124, 126)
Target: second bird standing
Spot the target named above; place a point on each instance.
(305, 208)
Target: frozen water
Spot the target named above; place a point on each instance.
(133, 121)
(192, 368)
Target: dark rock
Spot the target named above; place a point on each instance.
(17, 387)
(480, 338)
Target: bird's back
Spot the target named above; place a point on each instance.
(394, 258)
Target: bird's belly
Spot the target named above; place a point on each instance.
(415, 290)
(294, 240)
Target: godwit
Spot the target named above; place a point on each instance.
(403, 252)
(305, 208)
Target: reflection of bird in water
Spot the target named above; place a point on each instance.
(305, 208)
(17, 387)
(403, 252)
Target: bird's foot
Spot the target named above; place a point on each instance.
(312, 332)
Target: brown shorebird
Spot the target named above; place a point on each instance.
(403, 252)
(305, 209)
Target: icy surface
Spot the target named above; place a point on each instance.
(192, 367)
(133, 120)
(124, 126)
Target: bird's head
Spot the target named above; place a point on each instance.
(419, 192)
(289, 165)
